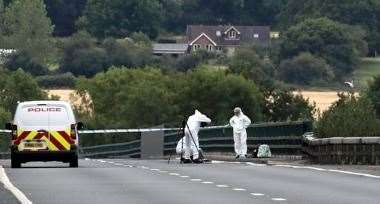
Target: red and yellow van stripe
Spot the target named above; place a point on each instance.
(56, 140)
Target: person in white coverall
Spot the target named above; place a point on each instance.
(239, 123)
(191, 142)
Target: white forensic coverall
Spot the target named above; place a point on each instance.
(191, 134)
(239, 124)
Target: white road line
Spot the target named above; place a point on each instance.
(102, 161)
(353, 173)
(154, 169)
(163, 171)
(144, 167)
(222, 186)
(184, 176)
(195, 179)
(207, 182)
(217, 162)
(278, 199)
(15, 191)
(330, 170)
(254, 164)
(257, 194)
(239, 189)
(174, 174)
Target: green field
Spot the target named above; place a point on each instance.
(369, 68)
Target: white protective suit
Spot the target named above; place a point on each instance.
(239, 124)
(191, 141)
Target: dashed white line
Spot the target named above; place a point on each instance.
(222, 186)
(239, 189)
(15, 191)
(195, 179)
(278, 199)
(174, 174)
(154, 169)
(184, 176)
(163, 171)
(257, 194)
(207, 182)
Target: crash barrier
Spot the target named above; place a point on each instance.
(282, 138)
(342, 150)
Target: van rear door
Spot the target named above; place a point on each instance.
(44, 127)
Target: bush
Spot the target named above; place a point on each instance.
(27, 63)
(193, 60)
(81, 56)
(66, 80)
(349, 117)
(305, 69)
(373, 93)
(249, 64)
(282, 105)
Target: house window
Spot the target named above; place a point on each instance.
(196, 47)
(218, 48)
(256, 36)
(209, 47)
(232, 34)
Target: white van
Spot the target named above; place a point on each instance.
(44, 131)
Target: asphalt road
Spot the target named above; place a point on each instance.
(156, 181)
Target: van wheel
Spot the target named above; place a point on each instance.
(15, 163)
(74, 161)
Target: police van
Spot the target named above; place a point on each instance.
(44, 131)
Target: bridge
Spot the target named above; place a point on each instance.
(107, 174)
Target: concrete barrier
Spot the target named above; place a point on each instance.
(347, 150)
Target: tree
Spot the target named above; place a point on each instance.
(373, 93)
(248, 63)
(18, 86)
(326, 39)
(119, 18)
(364, 13)
(283, 105)
(216, 93)
(63, 14)
(22, 60)
(305, 69)
(349, 117)
(28, 29)
(149, 97)
(81, 56)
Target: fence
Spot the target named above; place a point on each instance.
(283, 138)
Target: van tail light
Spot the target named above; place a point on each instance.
(14, 134)
(73, 133)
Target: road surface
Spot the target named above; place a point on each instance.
(156, 181)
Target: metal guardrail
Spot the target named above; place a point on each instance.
(282, 137)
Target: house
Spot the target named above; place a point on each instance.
(225, 38)
(173, 49)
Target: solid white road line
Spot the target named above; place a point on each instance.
(15, 191)
(353, 173)
(330, 170)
